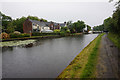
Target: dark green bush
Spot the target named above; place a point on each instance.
(62, 33)
(13, 35)
(43, 34)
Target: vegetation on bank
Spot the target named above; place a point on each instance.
(115, 39)
(83, 66)
(111, 24)
(10, 25)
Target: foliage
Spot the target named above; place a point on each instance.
(115, 39)
(88, 28)
(19, 24)
(10, 28)
(36, 18)
(56, 31)
(5, 21)
(33, 18)
(62, 33)
(43, 34)
(69, 24)
(17, 32)
(98, 28)
(4, 35)
(44, 20)
(14, 35)
(68, 31)
(64, 29)
(112, 24)
(107, 23)
(78, 26)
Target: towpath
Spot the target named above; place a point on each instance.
(108, 60)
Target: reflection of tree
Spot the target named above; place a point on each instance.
(6, 49)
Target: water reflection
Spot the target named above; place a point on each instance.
(45, 59)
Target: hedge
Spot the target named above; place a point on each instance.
(13, 35)
(42, 34)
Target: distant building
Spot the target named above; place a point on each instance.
(40, 26)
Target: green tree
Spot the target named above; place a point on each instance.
(10, 28)
(19, 24)
(78, 26)
(88, 28)
(5, 21)
(107, 23)
(33, 18)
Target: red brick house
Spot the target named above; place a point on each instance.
(27, 26)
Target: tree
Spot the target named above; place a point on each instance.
(88, 28)
(19, 24)
(98, 28)
(107, 23)
(5, 21)
(33, 18)
(36, 18)
(78, 26)
(10, 28)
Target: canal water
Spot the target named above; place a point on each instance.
(45, 59)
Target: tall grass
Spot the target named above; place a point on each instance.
(115, 39)
(89, 69)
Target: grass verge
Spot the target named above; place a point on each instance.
(115, 39)
(83, 65)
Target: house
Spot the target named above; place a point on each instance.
(40, 26)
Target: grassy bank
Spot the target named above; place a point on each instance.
(115, 39)
(83, 66)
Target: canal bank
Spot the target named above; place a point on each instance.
(83, 65)
(39, 37)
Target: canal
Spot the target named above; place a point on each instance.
(47, 58)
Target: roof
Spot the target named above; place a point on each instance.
(62, 24)
(46, 23)
(38, 22)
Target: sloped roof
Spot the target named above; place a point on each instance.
(62, 24)
(46, 23)
(38, 22)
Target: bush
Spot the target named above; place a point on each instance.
(62, 33)
(14, 35)
(68, 31)
(43, 34)
(57, 31)
(17, 32)
(4, 36)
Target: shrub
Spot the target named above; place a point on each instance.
(57, 31)
(17, 32)
(14, 35)
(62, 33)
(4, 36)
(43, 34)
(68, 31)
(25, 35)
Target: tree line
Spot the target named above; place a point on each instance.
(111, 24)
(10, 25)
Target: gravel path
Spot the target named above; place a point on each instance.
(107, 66)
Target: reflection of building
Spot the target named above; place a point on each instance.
(40, 26)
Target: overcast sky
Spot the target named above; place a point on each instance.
(92, 12)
